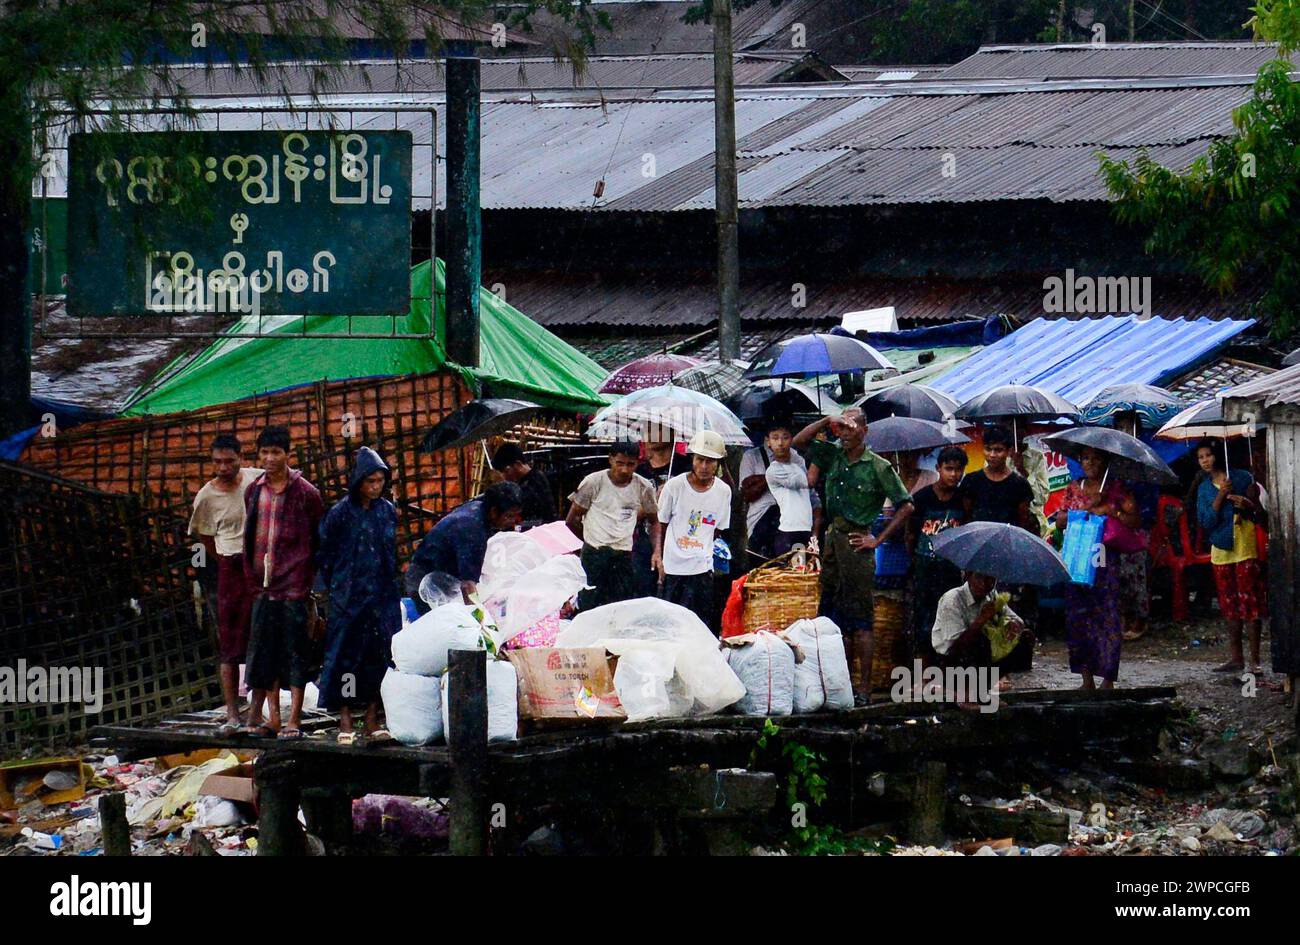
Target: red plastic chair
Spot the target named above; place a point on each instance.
(1164, 554)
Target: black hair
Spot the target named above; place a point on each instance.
(779, 423)
(501, 497)
(227, 441)
(507, 455)
(625, 448)
(1215, 446)
(952, 454)
(997, 434)
(274, 436)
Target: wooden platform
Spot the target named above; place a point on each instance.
(642, 764)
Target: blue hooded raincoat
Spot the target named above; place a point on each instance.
(357, 564)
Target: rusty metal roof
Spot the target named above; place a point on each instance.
(686, 300)
(1113, 60)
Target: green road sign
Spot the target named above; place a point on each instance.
(263, 222)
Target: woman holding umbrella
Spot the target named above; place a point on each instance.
(1226, 506)
(1093, 629)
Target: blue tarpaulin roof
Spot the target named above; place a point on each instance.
(1078, 358)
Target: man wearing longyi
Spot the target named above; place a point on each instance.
(858, 482)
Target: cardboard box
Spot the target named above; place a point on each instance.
(23, 781)
(567, 684)
(233, 784)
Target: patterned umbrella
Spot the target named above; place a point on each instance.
(721, 380)
(809, 355)
(1154, 406)
(650, 371)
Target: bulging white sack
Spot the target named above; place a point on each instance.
(502, 699)
(766, 668)
(412, 707)
(822, 680)
(421, 647)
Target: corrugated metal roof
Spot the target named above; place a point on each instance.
(1112, 60)
(508, 74)
(1280, 388)
(1079, 358)
(686, 300)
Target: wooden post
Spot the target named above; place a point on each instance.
(278, 796)
(467, 739)
(329, 816)
(463, 216)
(925, 825)
(726, 195)
(114, 830)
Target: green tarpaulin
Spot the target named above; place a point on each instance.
(519, 358)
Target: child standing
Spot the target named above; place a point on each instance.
(605, 511)
(358, 568)
(939, 507)
(693, 508)
(282, 515)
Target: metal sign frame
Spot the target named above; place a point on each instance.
(168, 329)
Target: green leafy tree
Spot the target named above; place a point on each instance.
(78, 56)
(1229, 214)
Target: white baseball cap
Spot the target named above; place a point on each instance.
(709, 444)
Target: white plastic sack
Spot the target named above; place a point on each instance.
(701, 677)
(766, 668)
(412, 707)
(540, 593)
(421, 647)
(822, 680)
(642, 679)
(213, 811)
(502, 700)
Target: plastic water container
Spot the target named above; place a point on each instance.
(721, 556)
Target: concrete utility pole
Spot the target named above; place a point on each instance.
(1131, 32)
(464, 257)
(724, 183)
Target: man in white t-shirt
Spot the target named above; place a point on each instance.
(782, 509)
(604, 511)
(693, 508)
(218, 522)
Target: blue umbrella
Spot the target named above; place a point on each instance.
(1154, 406)
(1005, 552)
(810, 355)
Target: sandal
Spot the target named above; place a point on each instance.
(1229, 667)
(290, 734)
(347, 738)
(258, 731)
(379, 736)
(229, 728)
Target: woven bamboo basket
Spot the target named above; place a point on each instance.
(776, 596)
(888, 627)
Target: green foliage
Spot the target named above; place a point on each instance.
(1229, 214)
(1277, 21)
(805, 788)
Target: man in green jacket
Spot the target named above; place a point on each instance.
(857, 482)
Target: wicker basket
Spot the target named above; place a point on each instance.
(776, 596)
(888, 632)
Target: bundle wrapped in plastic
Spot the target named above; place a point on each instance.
(509, 556)
(541, 593)
(821, 678)
(502, 702)
(658, 636)
(412, 707)
(421, 647)
(766, 669)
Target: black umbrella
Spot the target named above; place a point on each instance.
(903, 434)
(1128, 457)
(477, 420)
(908, 400)
(1017, 400)
(1002, 551)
